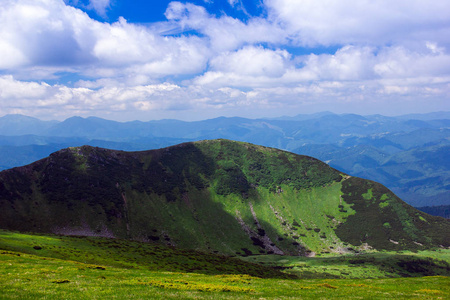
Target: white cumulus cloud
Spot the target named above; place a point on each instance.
(100, 6)
(327, 22)
(47, 33)
(384, 52)
(224, 33)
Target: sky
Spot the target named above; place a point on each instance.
(200, 59)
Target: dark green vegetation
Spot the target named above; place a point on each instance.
(408, 154)
(379, 215)
(363, 266)
(58, 267)
(216, 196)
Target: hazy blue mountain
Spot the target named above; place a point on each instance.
(30, 139)
(93, 127)
(441, 211)
(408, 154)
(303, 117)
(21, 125)
(440, 115)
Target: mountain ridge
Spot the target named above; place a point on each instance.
(398, 152)
(267, 201)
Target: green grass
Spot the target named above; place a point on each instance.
(363, 266)
(129, 254)
(31, 277)
(58, 267)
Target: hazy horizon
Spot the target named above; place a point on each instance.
(221, 116)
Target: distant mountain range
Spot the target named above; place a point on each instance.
(408, 154)
(216, 196)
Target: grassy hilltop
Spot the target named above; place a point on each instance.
(217, 196)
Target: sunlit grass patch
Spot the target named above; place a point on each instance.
(360, 285)
(61, 281)
(237, 278)
(194, 286)
(327, 285)
(429, 291)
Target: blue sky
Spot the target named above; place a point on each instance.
(142, 11)
(191, 60)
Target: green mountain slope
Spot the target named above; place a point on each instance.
(406, 153)
(216, 196)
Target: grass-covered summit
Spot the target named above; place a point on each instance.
(216, 196)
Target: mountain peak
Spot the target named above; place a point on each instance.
(213, 195)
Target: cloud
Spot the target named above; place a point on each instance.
(122, 101)
(379, 22)
(45, 33)
(12, 90)
(399, 62)
(29, 97)
(248, 67)
(196, 61)
(369, 63)
(126, 44)
(224, 33)
(257, 66)
(252, 60)
(114, 99)
(348, 63)
(49, 34)
(100, 6)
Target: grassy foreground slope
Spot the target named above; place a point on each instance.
(217, 196)
(96, 253)
(59, 267)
